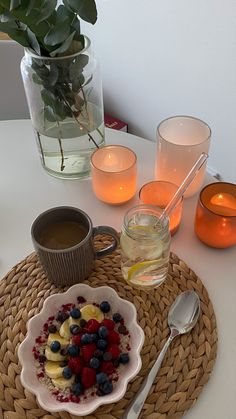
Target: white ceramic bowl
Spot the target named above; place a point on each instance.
(50, 307)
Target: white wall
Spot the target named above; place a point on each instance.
(166, 57)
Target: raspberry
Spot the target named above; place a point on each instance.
(76, 339)
(88, 377)
(109, 324)
(92, 326)
(113, 337)
(76, 364)
(114, 350)
(88, 351)
(107, 367)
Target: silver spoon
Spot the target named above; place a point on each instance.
(182, 317)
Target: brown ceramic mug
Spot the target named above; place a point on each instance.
(63, 240)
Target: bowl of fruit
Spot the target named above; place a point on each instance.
(81, 350)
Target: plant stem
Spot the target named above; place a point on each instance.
(86, 108)
(41, 148)
(79, 123)
(61, 149)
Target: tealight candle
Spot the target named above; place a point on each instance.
(159, 193)
(215, 221)
(114, 174)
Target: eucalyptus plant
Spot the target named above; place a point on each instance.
(50, 31)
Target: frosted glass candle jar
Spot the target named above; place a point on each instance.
(114, 174)
(180, 142)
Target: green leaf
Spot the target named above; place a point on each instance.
(36, 79)
(63, 13)
(66, 4)
(64, 47)
(53, 75)
(17, 35)
(57, 34)
(47, 10)
(8, 17)
(77, 66)
(33, 41)
(30, 6)
(49, 98)
(49, 114)
(14, 4)
(86, 9)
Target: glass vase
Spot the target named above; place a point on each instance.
(64, 96)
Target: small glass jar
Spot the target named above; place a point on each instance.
(145, 246)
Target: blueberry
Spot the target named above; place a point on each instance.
(55, 346)
(73, 350)
(86, 339)
(98, 354)
(42, 359)
(116, 363)
(67, 373)
(82, 323)
(63, 363)
(124, 358)
(103, 332)
(94, 363)
(62, 316)
(77, 389)
(101, 344)
(64, 351)
(117, 317)
(75, 313)
(105, 307)
(52, 328)
(94, 337)
(107, 387)
(107, 356)
(101, 378)
(99, 392)
(75, 329)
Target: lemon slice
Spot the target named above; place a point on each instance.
(56, 336)
(53, 356)
(53, 369)
(91, 312)
(142, 268)
(62, 382)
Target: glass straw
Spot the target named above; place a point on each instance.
(184, 185)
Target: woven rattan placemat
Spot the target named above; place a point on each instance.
(185, 369)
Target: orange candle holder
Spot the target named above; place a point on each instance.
(159, 193)
(215, 219)
(114, 174)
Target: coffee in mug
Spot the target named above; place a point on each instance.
(63, 239)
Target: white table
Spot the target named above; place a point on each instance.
(26, 190)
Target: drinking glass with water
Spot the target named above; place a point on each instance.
(145, 246)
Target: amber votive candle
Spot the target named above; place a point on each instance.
(114, 174)
(215, 220)
(159, 193)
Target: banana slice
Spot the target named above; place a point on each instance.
(91, 312)
(53, 356)
(64, 331)
(62, 382)
(53, 369)
(56, 336)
